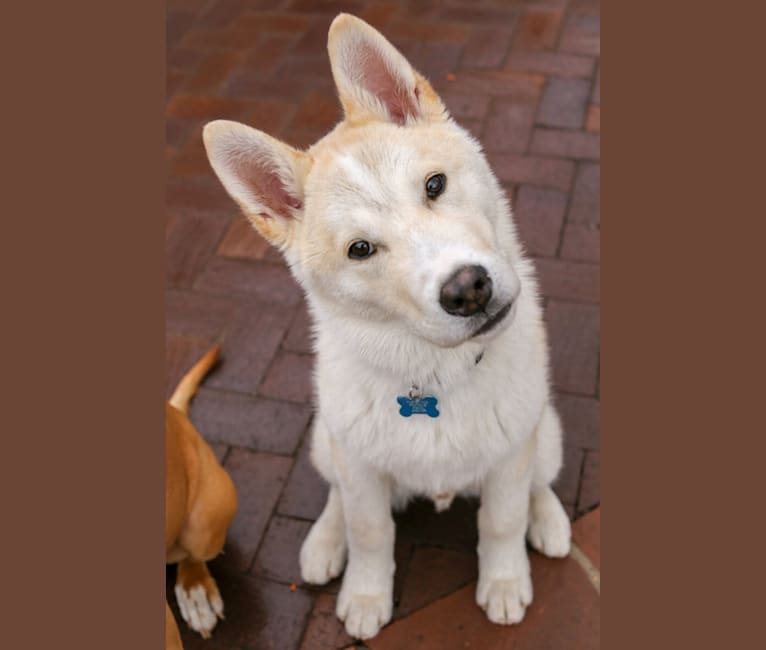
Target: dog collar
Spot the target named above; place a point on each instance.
(416, 403)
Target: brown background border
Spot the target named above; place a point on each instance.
(83, 326)
(680, 379)
(83, 344)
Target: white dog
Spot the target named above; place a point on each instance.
(432, 362)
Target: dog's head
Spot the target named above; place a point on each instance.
(394, 215)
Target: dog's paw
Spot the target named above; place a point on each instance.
(550, 532)
(322, 556)
(200, 606)
(505, 601)
(364, 615)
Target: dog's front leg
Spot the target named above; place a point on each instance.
(366, 597)
(505, 585)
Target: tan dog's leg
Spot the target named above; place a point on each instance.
(172, 636)
(198, 597)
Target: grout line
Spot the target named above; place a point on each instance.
(226, 454)
(272, 513)
(307, 622)
(250, 450)
(572, 301)
(580, 476)
(255, 396)
(566, 259)
(598, 373)
(305, 440)
(519, 16)
(574, 393)
(593, 574)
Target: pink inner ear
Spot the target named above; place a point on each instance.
(262, 180)
(372, 73)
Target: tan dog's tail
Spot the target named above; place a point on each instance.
(192, 379)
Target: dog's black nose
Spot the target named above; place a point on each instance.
(467, 291)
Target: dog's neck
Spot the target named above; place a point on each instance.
(392, 349)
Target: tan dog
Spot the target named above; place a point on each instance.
(200, 502)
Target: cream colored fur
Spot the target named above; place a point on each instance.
(380, 329)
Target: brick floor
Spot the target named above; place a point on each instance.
(525, 78)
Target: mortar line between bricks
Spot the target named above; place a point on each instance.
(575, 393)
(412, 612)
(295, 518)
(226, 454)
(514, 32)
(584, 127)
(248, 261)
(591, 509)
(305, 440)
(307, 622)
(567, 208)
(584, 303)
(247, 299)
(255, 396)
(564, 16)
(579, 481)
(279, 349)
(272, 513)
(485, 119)
(313, 594)
(553, 257)
(253, 451)
(214, 254)
(598, 371)
(572, 301)
(539, 100)
(520, 16)
(189, 129)
(535, 183)
(460, 56)
(462, 585)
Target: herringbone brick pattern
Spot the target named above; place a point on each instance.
(524, 78)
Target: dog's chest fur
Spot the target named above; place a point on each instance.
(484, 415)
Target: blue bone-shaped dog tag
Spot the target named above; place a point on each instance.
(417, 405)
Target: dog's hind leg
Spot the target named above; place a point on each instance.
(323, 553)
(549, 529)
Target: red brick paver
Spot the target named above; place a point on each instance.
(524, 77)
(564, 614)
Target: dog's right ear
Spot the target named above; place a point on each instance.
(263, 175)
(373, 78)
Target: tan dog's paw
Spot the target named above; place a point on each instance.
(198, 597)
(505, 601)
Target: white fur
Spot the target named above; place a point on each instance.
(380, 329)
(200, 610)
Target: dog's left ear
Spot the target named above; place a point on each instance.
(374, 79)
(263, 175)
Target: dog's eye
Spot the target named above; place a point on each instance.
(435, 185)
(360, 250)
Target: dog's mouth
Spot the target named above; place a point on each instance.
(494, 320)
